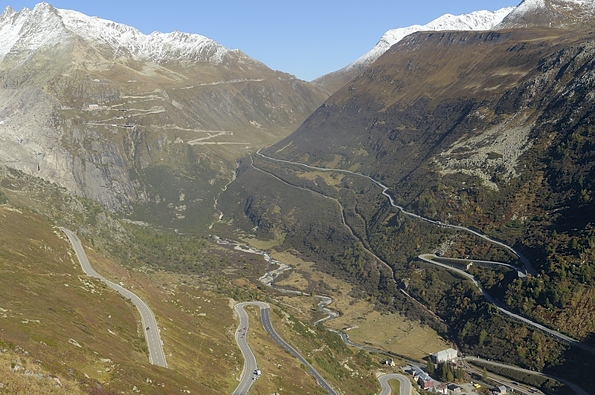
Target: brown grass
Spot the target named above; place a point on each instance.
(330, 178)
(281, 372)
(77, 327)
(19, 374)
(391, 332)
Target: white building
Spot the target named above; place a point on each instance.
(445, 355)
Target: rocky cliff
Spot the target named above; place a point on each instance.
(489, 130)
(132, 120)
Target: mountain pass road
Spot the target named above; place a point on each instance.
(149, 323)
(405, 388)
(247, 377)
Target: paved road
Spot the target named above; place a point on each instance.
(573, 386)
(250, 361)
(429, 258)
(152, 336)
(520, 272)
(528, 267)
(405, 388)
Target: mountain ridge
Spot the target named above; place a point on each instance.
(95, 106)
(551, 13)
(490, 130)
(478, 20)
(157, 46)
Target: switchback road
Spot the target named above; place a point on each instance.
(528, 267)
(249, 359)
(405, 384)
(431, 258)
(149, 323)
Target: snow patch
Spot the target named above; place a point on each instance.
(30, 30)
(478, 20)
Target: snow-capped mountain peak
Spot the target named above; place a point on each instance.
(30, 29)
(552, 13)
(48, 26)
(478, 20)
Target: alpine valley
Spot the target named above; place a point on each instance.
(436, 193)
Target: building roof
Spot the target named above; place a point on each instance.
(449, 353)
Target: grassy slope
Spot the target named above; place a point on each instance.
(20, 374)
(77, 328)
(54, 312)
(193, 310)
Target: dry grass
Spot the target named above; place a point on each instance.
(20, 375)
(77, 327)
(391, 332)
(264, 244)
(197, 325)
(330, 178)
(281, 372)
(49, 305)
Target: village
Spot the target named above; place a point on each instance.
(449, 373)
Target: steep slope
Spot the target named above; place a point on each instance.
(551, 13)
(65, 332)
(478, 20)
(136, 121)
(491, 130)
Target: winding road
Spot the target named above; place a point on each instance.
(574, 387)
(250, 365)
(405, 388)
(149, 323)
(431, 258)
(528, 267)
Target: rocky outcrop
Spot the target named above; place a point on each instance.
(93, 106)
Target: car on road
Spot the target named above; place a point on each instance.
(148, 327)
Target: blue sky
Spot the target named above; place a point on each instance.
(307, 38)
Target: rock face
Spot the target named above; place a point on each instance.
(551, 13)
(106, 111)
(491, 130)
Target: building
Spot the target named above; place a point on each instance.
(425, 382)
(423, 379)
(445, 355)
(389, 362)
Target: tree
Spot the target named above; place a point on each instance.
(482, 337)
(459, 374)
(430, 366)
(445, 371)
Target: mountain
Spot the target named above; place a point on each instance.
(478, 20)
(491, 130)
(22, 31)
(150, 125)
(551, 13)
